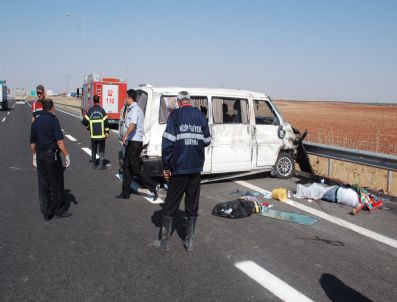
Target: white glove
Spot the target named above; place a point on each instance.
(67, 161)
(34, 160)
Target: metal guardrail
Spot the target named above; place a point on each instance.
(366, 158)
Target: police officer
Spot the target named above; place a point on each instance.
(96, 121)
(46, 142)
(133, 139)
(184, 140)
(36, 105)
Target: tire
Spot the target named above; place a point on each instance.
(285, 166)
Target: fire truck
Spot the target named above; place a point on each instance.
(112, 93)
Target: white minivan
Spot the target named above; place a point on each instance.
(248, 133)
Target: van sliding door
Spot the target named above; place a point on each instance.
(231, 135)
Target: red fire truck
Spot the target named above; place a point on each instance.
(112, 93)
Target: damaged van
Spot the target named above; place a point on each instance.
(248, 133)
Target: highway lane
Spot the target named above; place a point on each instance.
(103, 252)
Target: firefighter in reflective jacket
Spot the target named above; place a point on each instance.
(96, 122)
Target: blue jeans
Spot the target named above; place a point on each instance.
(331, 195)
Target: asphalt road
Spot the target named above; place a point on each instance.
(104, 253)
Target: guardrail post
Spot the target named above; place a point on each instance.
(329, 166)
(389, 181)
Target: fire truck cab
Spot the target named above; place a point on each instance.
(112, 94)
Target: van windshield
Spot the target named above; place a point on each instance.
(169, 102)
(276, 109)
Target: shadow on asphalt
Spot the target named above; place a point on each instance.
(338, 291)
(178, 224)
(327, 241)
(69, 198)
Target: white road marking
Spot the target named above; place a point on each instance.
(3, 119)
(115, 131)
(68, 113)
(143, 192)
(343, 223)
(71, 137)
(8, 113)
(275, 285)
(88, 151)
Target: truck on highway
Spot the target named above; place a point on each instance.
(3, 95)
(20, 95)
(111, 91)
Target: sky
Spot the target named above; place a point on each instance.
(288, 49)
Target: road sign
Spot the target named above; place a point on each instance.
(33, 93)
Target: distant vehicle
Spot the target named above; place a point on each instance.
(20, 94)
(3, 95)
(111, 91)
(248, 133)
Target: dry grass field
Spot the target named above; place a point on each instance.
(359, 126)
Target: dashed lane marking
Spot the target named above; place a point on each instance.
(343, 223)
(8, 113)
(88, 151)
(272, 283)
(71, 138)
(3, 119)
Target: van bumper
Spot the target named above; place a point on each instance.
(152, 166)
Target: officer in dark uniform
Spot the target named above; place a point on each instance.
(96, 121)
(46, 142)
(184, 140)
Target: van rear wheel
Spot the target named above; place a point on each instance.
(285, 166)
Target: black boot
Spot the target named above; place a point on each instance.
(101, 159)
(162, 244)
(93, 159)
(190, 228)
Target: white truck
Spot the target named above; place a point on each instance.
(20, 95)
(3, 95)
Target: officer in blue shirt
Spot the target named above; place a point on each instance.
(46, 143)
(133, 139)
(184, 140)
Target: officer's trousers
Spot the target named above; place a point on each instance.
(133, 167)
(188, 184)
(95, 145)
(51, 183)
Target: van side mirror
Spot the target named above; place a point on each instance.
(281, 132)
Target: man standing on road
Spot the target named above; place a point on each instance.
(184, 140)
(46, 143)
(133, 139)
(37, 106)
(96, 121)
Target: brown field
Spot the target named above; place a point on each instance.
(357, 126)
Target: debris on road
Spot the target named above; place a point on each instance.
(289, 217)
(280, 194)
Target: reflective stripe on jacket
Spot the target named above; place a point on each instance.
(96, 121)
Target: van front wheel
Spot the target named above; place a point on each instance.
(285, 166)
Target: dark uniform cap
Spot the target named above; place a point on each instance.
(40, 88)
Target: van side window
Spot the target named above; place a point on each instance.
(169, 103)
(230, 110)
(141, 98)
(264, 114)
